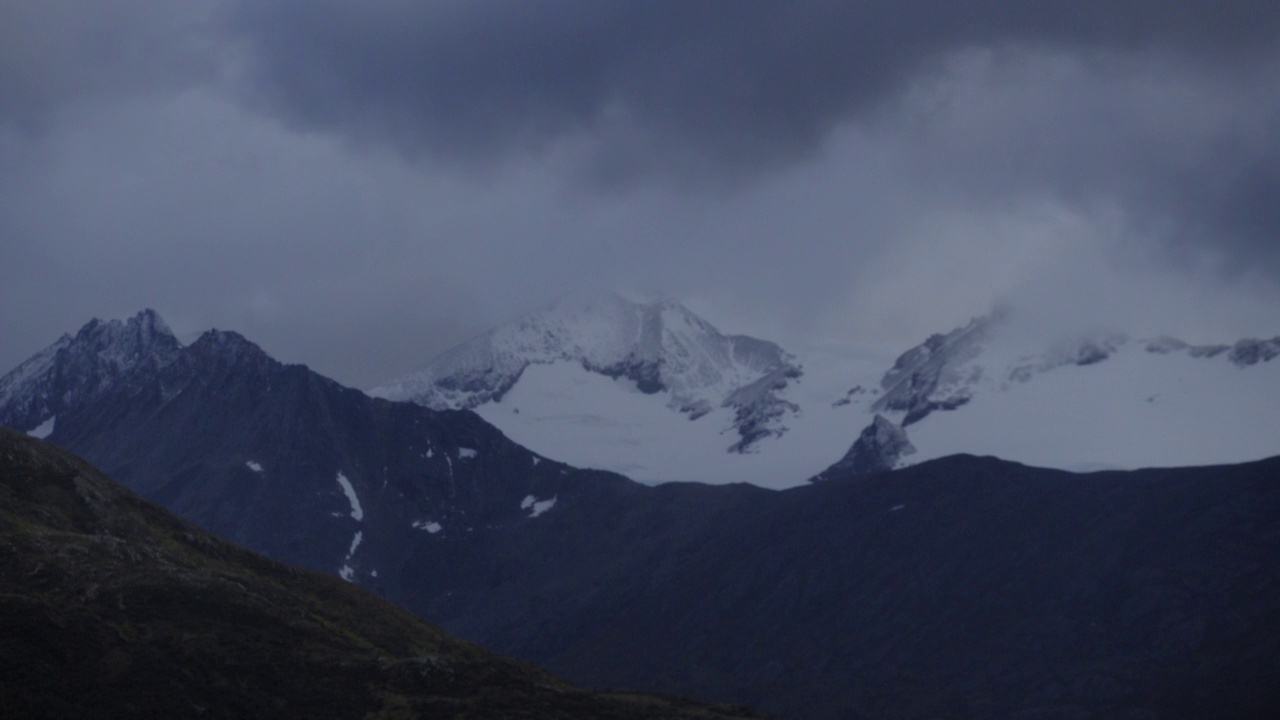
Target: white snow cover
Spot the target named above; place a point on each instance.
(466, 453)
(697, 367)
(1136, 408)
(254, 466)
(536, 506)
(589, 420)
(356, 511)
(1029, 401)
(430, 526)
(346, 572)
(1075, 402)
(44, 429)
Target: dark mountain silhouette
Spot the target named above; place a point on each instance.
(112, 607)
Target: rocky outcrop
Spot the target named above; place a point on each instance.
(880, 446)
(1251, 351)
(934, 375)
(77, 369)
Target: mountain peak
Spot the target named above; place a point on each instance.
(124, 342)
(878, 448)
(659, 345)
(78, 367)
(230, 351)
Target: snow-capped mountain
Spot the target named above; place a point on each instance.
(605, 580)
(1093, 400)
(273, 456)
(77, 369)
(612, 384)
(654, 348)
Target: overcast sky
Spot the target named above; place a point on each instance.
(359, 184)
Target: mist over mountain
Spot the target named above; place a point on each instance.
(659, 347)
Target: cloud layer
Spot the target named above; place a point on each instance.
(360, 184)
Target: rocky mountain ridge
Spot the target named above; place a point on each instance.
(659, 346)
(959, 587)
(279, 458)
(927, 398)
(76, 369)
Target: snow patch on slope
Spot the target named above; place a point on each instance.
(356, 511)
(44, 429)
(535, 506)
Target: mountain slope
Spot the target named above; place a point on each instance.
(113, 607)
(290, 463)
(959, 588)
(657, 347)
(76, 369)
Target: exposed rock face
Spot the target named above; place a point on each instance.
(933, 375)
(76, 370)
(1246, 352)
(1251, 351)
(759, 412)
(660, 346)
(880, 446)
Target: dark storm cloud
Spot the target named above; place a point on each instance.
(1188, 153)
(1242, 210)
(860, 169)
(737, 82)
(718, 90)
(54, 52)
